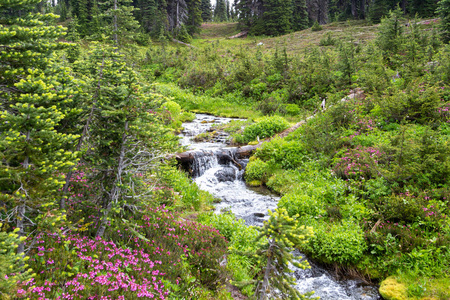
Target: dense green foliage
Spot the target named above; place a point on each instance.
(84, 181)
(370, 173)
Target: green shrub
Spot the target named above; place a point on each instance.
(315, 189)
(185, 192)
(341, 243)
(257, 170)
(303, 204)
(418, 103)
(289, 109)
(286, 154)
(173, 107)
(264, 127)
(283, 181)
(316, 27)
(327, 40)
(401, 208)
(241, 239)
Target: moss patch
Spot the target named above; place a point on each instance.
(391, 289)
(254, 183)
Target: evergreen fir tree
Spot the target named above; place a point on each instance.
(128, 134)
(72, 35)
(390, 33)
(228, 10)
(96, 23)
(122, 25)
(194, 20)
(299, 15)
(12, 268)
(177, 13)
(245, 13)
(423, 8)
(377, 10)
(220, 11)
(444, 14)
(62, 10)
(81, 10)
(206, 10)
(277, 17)
(34, 102)
(278, 237)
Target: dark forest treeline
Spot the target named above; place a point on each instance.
(275, 17)
(182, 17)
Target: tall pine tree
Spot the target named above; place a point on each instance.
(35, 97)
(277, 17)
(194, 20)
(444, 13)
(299, 15)
(206, 10)
(220, 11)
(121, 24)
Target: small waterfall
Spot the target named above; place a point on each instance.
(203, 161)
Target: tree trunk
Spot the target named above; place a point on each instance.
(20, 225)
(115, 23)
(362, 7)
(265, 285)
(115, 191)
(21, 208)
(353, 8)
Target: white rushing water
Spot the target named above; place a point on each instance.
(225, 182)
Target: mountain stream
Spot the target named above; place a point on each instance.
(214, 171)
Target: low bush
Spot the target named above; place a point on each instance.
(257, 170)
(327, 40)
(289, 109)
(358, 163)
(283, 181)
(341, 242)
(264, 127)
(186, 194)
(314, 191)
(316, 27)
(303, 204)
(285, 154)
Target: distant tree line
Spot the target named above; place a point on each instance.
(275, 17)
(182, 18)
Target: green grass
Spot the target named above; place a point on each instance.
(419, 287)
(217, 30)
(358, 31)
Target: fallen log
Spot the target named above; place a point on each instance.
(183, 43)
(239, 35)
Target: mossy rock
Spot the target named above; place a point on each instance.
(254, 183)
(254, 143)
(391, 289)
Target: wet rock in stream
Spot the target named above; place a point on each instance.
(226, 174)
